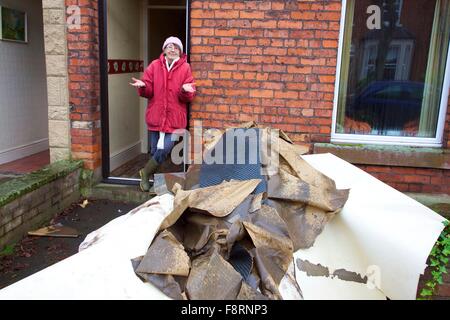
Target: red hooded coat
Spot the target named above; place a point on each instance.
(167, 102)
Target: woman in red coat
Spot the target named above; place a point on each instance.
(169, 86)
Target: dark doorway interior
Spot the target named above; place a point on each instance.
(163, 23)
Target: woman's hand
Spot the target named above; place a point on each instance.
(137, 83)
(188, 87)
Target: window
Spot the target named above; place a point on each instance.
(393, 82)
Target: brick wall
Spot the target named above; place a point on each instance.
(415, 180)
(269, 61)
(274, 62)
(84, 86)
(37, 207)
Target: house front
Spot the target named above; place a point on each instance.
(366, 80)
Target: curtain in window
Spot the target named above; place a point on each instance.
(436, 66)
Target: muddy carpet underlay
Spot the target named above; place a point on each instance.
(233, 230)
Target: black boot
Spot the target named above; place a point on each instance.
(145, 172)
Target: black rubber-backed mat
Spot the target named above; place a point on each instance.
(241, 260)
(214, 174)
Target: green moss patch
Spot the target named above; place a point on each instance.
(13, 189)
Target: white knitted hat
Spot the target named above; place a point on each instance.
(173, 40)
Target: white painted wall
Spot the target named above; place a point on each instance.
(124, 42)
(23, 88)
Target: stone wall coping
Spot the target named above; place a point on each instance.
(13, 189)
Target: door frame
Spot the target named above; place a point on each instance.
(104, 99)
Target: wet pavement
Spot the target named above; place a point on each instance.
(33, 254)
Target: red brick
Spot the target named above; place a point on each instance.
(303, 15)
(227, 32)
(299, 52)
(302, 34)
(275, 51)
(286, 94)
(277, 5)
(250, 50)
(321, 34)
(293, 69)
(202, 31)
(262, 59)
(276, 34)
(75, 116)
(290, 24)
(90, 148)
(226, 14)
(274, 68)
(260, 5)
(330, 43)
(236, 92)
(202, 14)
(266, 24)
(313, 62)
(238, 75)
(243, 23)
(330, 16)
(308, 112)
(273, 85)
(324, 113)
(322, 87)
(261, 93)
(298, 104)
(85, 140)
(225, 49)
(417, 179)
(327, 79)
(315, 25)
(223, 66)
(251, 15)
(262, 76)
(196, 22)
(202, 49)
(249, 101)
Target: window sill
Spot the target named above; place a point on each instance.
(397, 156)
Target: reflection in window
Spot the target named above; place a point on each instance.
(391, 78)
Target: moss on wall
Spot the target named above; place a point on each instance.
(15, 188)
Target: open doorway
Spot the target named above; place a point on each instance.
(134, 32)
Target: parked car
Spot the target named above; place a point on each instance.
(387, 105)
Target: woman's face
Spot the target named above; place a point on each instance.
(172, 51)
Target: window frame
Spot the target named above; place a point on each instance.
(437, 141)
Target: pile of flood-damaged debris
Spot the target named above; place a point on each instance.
(236, 224)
